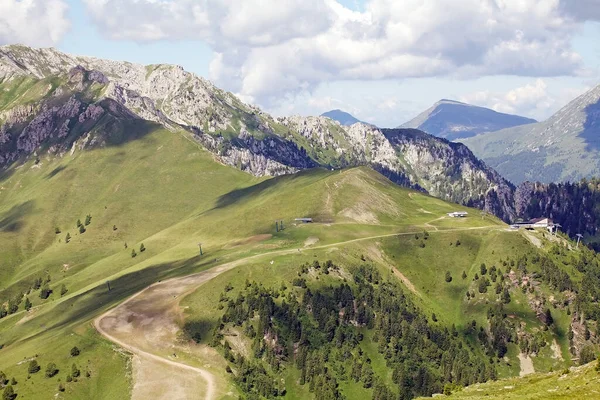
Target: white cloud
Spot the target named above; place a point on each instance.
(266, 51)
(33, 22)
(531, 99)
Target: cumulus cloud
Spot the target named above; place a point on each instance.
(33, 22)
(264, 51)
(531, 99)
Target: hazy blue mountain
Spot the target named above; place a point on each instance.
(455, 120)
(342, 117)
(566, 147)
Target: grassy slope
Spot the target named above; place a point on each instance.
(166, 192)
(579, 383)
(163, 190)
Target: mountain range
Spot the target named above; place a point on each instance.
(159, 238)
(69, 102)
(453, 120)
(565, 147)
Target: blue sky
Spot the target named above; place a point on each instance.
(382, 60)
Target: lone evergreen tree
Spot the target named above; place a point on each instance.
(142, 248)
(68, 238)
(75, 371)
(57, 230)
(63, 290)
(33, 367)
(81, 229)
(78, 223)
(9, 393)
(27, 304)
(75, 351)
(133, 253)
(51, 370)
(88, 219)
(45, 292)
(464, 275)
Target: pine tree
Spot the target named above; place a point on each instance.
(78, 223)
(68, 238)
(88, 219)
(57, 230)
(464, 275)
(45, 291)
(133, 253)
(27, 304)
(75, 351)
(63, 290)
(81, 229)
(9, 393)
(75, 371)
(142, 248)
(51, 370)
(33, 367)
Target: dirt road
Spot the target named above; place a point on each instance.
(147, 324)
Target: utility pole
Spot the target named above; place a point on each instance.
(579, 236)
(200, 247)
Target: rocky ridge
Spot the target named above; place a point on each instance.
(238, 134)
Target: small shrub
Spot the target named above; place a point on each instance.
(61, 387)
(88, 219)
(68, 238)
(448, 277)
(63, 290)
(81, 229)
(142, 248)
(133, 253)
(57, 230)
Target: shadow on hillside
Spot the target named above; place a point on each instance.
(246, 194)
(55, 172)
(591, 127)
(11, 221)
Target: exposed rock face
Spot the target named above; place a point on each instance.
(238, 134)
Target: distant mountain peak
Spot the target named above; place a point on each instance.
(341, 116)
(452, 119)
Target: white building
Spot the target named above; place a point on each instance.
(458, 214)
